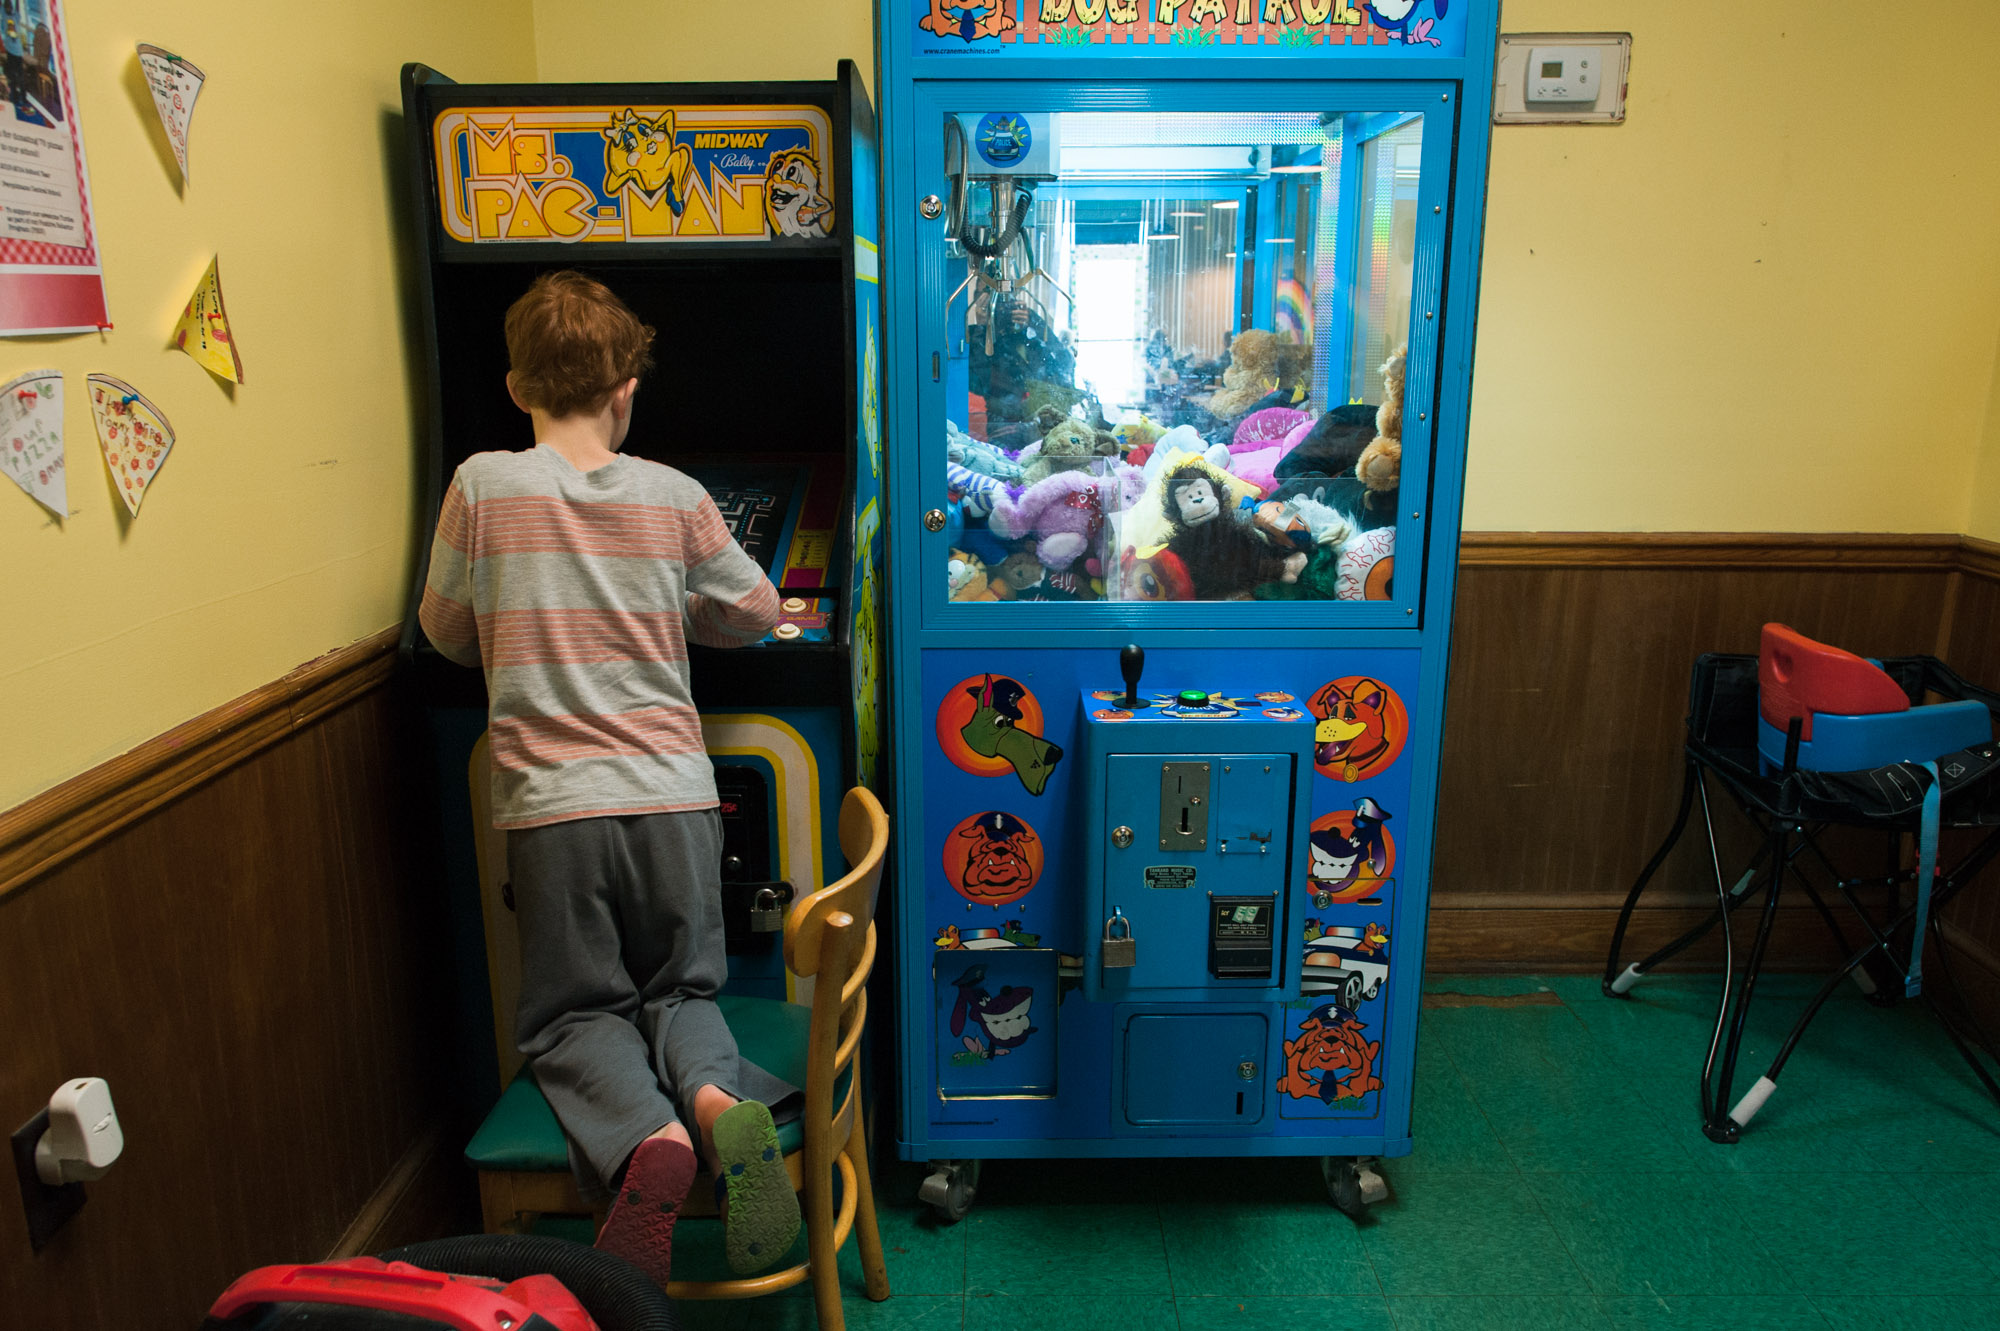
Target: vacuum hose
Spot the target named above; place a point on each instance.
(616, 1293)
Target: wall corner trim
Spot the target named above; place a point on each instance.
(66, 820)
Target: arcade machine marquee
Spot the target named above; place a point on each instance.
(739, 221)
(1179, 337)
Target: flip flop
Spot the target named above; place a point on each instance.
(763, 1216)
(640, 1227)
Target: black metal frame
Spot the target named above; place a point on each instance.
(1791, 809)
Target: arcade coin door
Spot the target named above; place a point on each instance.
(1180, 310)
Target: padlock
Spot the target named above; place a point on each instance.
(1120, 953)
(766, 915)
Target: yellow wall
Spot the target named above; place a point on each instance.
(606, 41)
(282, 524)
(1984, 521)
(1768, 301)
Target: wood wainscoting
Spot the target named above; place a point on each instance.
(1562, 751)
(235, 925)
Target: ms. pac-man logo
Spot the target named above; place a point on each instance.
(633, 173)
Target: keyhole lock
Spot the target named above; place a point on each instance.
(931, 206)
(934, 520)
(1247, 1070)
(1121, 837)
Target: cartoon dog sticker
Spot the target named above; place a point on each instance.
(1361, 728)
(1331, 1059)
(1347, 863)
(995, 731)
(993, 858)
(642, 152)
(991, 1026)
(795, 203)
(973, 22)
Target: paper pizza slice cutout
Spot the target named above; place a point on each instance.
(31, 438)
(135, 435)
(203, 330)
(174, 83)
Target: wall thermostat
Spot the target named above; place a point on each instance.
(1561, 78)
(1564, 75)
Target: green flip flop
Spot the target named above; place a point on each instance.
(763, 1218)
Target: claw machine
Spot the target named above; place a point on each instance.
(1179, 302)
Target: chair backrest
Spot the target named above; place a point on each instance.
(830, 935)
(1797, 677)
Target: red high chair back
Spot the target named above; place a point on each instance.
(1797, 677)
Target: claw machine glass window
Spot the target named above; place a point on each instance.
(1166, 336)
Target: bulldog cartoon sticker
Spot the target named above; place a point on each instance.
(1362, 728)
(990, 725)
(1331, 1059)
(992, 859)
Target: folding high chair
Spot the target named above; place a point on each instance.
(1806, 737)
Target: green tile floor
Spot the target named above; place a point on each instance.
(1560, 1180)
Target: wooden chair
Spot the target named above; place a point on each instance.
(522, 1158)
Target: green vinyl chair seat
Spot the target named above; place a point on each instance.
(521, 1134)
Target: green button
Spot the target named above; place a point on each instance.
(1193, 698)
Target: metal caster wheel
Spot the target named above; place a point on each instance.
(1352, 1183)
(950, 1188)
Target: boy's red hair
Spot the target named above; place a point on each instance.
(571, 343)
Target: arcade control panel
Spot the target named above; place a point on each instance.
(782, 510)
(1197, 815)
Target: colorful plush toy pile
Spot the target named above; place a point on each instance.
(1248, 495)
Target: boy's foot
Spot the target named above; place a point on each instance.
(762, 1217)
(640, 1227)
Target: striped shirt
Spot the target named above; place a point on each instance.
(578, 592)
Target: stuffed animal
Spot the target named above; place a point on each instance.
(1070, 445)
(1261, 429)
(1066, 513)
(1137, 431)
(1260, 363)
(1380, 465)
(969, 580)
(1144, 524)
(1300, 523)
(1226, 561)
(984, 458)
(1332, 444)
(1159, 576)
(1027, 579)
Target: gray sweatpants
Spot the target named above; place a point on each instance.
(621, 960)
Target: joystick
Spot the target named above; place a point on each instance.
(1132, 664)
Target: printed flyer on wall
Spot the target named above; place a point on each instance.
(50, 281)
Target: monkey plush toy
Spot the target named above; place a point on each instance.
(1224, 558)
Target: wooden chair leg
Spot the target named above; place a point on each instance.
(822, 1254)
(874, 1270)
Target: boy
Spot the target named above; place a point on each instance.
(575, 576)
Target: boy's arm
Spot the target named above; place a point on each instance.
(446, 609)
(730, 603)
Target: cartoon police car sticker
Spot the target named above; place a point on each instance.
(1347, 964)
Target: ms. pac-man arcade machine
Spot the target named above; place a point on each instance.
(1180, 322)
(739, 220)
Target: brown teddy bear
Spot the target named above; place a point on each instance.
(1069, 445)
(1380, 465)
(1260, 361)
